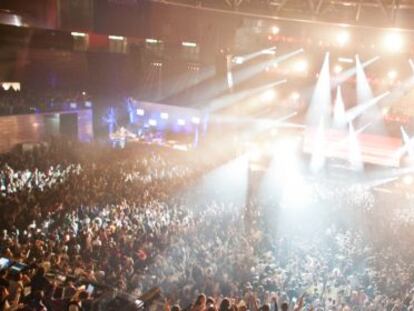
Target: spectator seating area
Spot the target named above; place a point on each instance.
(19, 102)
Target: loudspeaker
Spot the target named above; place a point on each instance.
(68, 125)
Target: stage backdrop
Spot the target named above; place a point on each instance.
(375, 149)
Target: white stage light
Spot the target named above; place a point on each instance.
(195, 120)
(164, 115)
(118, 38)
(271, 51)
(295, 96)
(152, 122)
(78, 34)
(181, 122)
(393, 42)
(338, 69)
(408, 180)
(268, 95)
(149, 40)
(140, 112)
(339, 109)
(275, 30)
(300, 66)
(354, 150)
(392, 74)
(189, 44)
(345, 60)
(343, 37)
(238, 60)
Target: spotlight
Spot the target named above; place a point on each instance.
(152, 41)
(385, 111)
(268, 95)
(189, 44)
(78, 34)
(181, 122)
(408, 180)
(152, 122)
(338, 69)
(164, 115)
(118, 38)
(195, 120)
(393, 42)
(345, 60)
(295, 96)
(342, 38)
(238, 60)
(140, 112)
(392, 74)
(300, 66)
(275, 30)
(270, 51)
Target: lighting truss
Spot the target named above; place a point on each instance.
(385, 12)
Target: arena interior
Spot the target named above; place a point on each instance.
(207, 155)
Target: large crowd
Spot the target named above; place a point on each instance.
(138, 218)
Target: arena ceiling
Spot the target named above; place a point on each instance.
(381, 13)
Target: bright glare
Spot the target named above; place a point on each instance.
(189, 44)
(300, 66)
(152, 122)
(393, 42)
(238, 60)
(195, 120)
(271, 51)
(268, 95)
(297, 194)
(345, 60)
(385, 111)
(181, 122)
(149, 40)
(408, 180)
(118, 38)
(295, 96)
(78, 34)
(343, 37)
(140, 112)
(275, 30)
(164, 115)
(255, 154)
(338, 69)
(392, 74)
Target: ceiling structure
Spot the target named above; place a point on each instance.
(380, 13)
